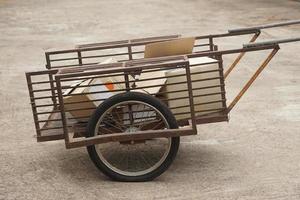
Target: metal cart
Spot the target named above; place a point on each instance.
(131, 128)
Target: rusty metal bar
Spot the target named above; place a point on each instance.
(129, 43)
(240, 56)
(101, 44)
(273, 25)
(53, 90)
(178, 98)
(200, 95)
(231, 51)
(220, 58)
(207, 110)
(140, 80)
(50, 128)
(127, 85)
(252, 79)
(53, 136)
(42, 105)
(40, 82)
(201, 45)
(48, 63)
(191, 97)
(73, 65)
(79, 57)
(87, 57)
(139, 135)
(196, 104)
(62, 111)
(129, 52)
(48, 112)
(271, 42)
(128, 68)
(211, 43)
(142, 41)
(127, 89)
(111, 75)
(211, 119)
(34, 110)
(226, 34)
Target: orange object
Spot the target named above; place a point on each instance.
(109, 85)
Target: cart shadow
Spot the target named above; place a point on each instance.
(73, 164)
(80, 167)
(202, 162)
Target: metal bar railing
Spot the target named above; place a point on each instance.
(253, 78)
(240, 56)
(252, 44)
(271, 42)
(273, 25)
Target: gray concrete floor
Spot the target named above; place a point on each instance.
(255, 156)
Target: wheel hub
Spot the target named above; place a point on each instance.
(131, 129)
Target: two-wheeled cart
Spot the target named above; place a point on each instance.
(130, 112)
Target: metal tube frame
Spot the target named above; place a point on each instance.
(79, 69)
(253, 78)
(78, 142)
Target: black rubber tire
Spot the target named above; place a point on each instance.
(138, 97)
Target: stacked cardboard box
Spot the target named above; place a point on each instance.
(85, 96)
(83, 99)
(199, 65)
(78, 99)
(200, 79)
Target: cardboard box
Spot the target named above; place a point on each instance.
(170, 48)
(88, 107)
(197, 100)
(148, 75)
(109, 85)
(78, 98)
(151, 91)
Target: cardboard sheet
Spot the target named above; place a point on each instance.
(169, 48)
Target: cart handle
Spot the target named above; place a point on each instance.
(253, 39)
(274, 43)
(271, 42)
(291, 22)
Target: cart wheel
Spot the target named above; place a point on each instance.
(136, 160)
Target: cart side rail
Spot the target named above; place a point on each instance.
(124, 50)
(182, 91)
(273, 25)
(271, 42)
(267, 46)
(132, 72)
(44, 104)
(275, 48)
(95, 53)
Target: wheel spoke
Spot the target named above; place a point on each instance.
(157, 125)
(133, 158)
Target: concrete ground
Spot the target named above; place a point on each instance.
(255, 156)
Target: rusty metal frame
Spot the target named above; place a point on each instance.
(240, 56)
(164, 63)
(129, 44)
(56, 94)
(248, 48)
(45, 128)
(41, 125)
(253, 78)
